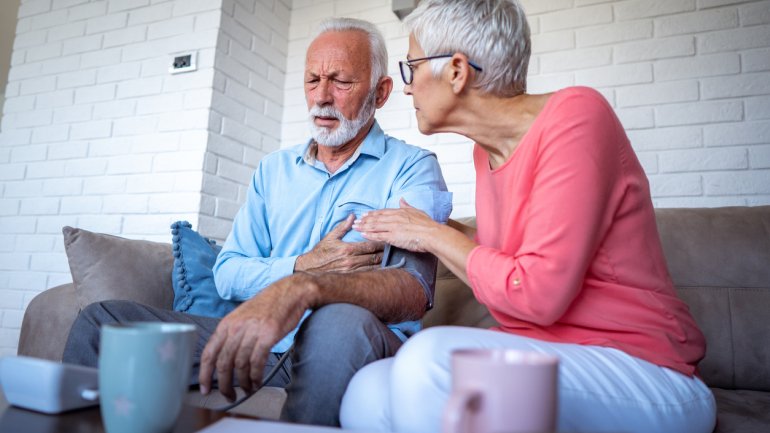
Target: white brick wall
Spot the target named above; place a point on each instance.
(97, 133)
(250, 66)
(705, 104)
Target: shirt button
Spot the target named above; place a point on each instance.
(516, 282)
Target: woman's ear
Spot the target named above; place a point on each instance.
(459, 73)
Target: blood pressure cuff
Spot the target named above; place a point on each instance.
(421, 266)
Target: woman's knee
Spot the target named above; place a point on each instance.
(423, 347)
(366, 403)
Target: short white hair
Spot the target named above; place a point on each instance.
(494, 34)
(379, 52)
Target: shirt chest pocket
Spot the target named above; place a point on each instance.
(357, 206)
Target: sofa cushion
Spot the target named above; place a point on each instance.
(192, 277)
(742, 411)
(719, 260)
(110, 267)
(454, 304)
(717, 247)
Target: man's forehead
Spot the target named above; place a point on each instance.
(340, 44)
(329, 66)
(337, 52)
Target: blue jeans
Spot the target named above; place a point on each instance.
(331, 345)
(600, 389)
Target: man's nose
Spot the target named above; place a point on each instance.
(323, 94)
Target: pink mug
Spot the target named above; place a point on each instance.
(502, 391)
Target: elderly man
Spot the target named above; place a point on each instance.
(312, 288)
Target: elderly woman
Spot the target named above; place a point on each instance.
(566, 256)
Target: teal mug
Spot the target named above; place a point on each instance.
(144, 372)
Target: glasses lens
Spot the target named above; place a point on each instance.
(406, 72)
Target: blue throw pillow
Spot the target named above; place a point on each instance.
(192, 277)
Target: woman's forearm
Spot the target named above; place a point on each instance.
(467, 230)
(452, 247)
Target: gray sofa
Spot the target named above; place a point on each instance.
(719, 259)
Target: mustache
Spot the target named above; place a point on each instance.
(327, 111)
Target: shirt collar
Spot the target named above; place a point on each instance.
(373, 145)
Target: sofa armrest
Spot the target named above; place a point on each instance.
(47, 322)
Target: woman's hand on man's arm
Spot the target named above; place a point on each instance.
(414, 230)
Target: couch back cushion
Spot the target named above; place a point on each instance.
(719, 260)
(107, 267)
(454, 304)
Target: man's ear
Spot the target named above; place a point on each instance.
(384, 87)
(458, 72)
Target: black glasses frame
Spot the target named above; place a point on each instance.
(403, 66)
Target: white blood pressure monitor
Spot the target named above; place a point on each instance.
(48, 386)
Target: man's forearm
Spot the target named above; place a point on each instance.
(239, 278)
(393, 295)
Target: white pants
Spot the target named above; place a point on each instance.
(600, 389)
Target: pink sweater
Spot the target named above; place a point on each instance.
(569, 250)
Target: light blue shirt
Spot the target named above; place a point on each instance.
(293, 202)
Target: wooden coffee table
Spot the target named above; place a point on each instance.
(13, 419)
(192, 419)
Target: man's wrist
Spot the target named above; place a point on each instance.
(308, 287)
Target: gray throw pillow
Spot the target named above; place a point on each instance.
(106, 267)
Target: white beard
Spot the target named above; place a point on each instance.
(346, 130)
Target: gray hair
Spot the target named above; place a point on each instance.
(494, 34)
(379, 53)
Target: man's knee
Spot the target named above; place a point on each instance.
(335, 314)
(103, 311)
(92, 317)
(345, 331)
(82, 345)
(347, 321)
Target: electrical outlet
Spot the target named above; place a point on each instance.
(183, 62)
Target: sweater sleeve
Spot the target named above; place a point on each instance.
(569, 208)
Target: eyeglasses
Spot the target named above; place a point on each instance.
(407, 67)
